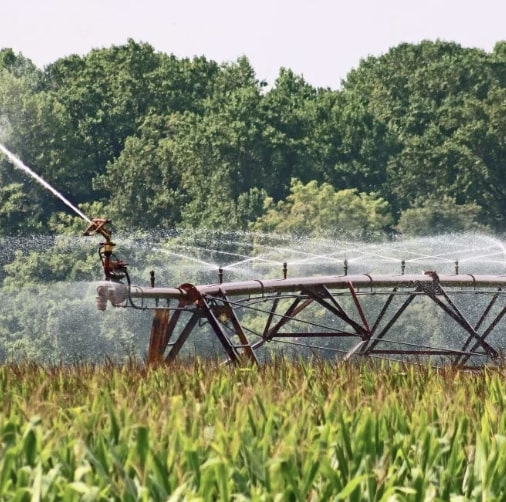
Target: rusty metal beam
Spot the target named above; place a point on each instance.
(368, 348)
(345, 302)
(321, 294)
(230, 349)
(229, 313)
(485, 334)
(453, 311)
(157, 343)
(176, 346)
(254, 287)
(162, 328)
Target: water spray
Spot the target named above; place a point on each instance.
(113, 288)
(19, 164)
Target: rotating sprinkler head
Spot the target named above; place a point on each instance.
(97, 226)
(114, 269)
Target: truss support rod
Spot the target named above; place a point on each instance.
(230, 349)
(357, 347)
(275, 304)
(455, 314)
(322, 294)
(423, 352)
(369, 348)
(290, 313)
(359, 308)
(493, 324)
(363, 344)
(183, 336)
(162, 329)
(482, 318)
(317, 334)
(487, 310)
(383, 311)
(158, 333)
(229, 312)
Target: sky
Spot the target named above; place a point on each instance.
(321, 40)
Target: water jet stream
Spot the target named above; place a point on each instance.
(19, 164)
(191, 258)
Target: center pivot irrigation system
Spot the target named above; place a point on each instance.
(452, 319)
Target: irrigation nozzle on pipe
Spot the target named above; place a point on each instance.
(115, 270)
(115, 292)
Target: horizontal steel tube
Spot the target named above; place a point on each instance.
(332, 282)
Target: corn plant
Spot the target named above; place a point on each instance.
(291, 430)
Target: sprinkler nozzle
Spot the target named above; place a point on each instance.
(97, 226)
(114, 269)
(114, 292)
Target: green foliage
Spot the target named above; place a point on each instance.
(15, 210)
(167, 142)
(293, 112)
(433, 100)
(224, 154)
(313, 210)
(37, 128)
(60, 260)
(20, 67)
(440, 216)
(109, 92)
(144, 181)
(303, 431)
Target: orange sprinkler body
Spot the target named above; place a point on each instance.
(114, 269)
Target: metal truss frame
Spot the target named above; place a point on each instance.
(365, 313)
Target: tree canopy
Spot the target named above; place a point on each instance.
(157, 141)
(319, 211)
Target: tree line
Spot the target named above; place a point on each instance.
(414, 142)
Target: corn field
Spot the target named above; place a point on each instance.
(287, 431)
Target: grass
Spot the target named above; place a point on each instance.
(287, 431)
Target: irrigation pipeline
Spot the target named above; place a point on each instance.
(453, 319)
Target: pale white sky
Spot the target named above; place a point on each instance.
(322, 40)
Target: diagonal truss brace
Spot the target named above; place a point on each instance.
(216, 311)
(453, 311)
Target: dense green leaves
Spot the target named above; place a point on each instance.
(14, 208)
(144, 182)
(294, 431)
(165, 142)
(320, 211)
(434, 102)
(439, 216)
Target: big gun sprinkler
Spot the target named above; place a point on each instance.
(113, 288)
